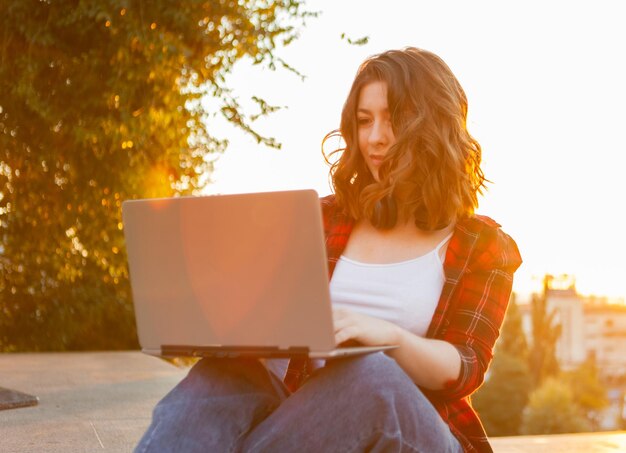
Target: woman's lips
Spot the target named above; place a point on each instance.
(376, 160)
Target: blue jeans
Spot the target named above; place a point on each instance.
(365, 403)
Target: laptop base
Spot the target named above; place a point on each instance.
(233, 352)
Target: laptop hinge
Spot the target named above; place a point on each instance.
(169, 350)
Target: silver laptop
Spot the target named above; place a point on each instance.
(231, 276)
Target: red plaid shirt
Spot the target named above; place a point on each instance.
(479, 266)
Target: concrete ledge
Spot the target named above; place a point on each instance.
(103, 401)
(606, 442)
(88, 402)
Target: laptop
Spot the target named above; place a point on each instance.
(240, 275)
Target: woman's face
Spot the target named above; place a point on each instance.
(374, 125)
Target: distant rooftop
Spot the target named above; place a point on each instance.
(562, 292)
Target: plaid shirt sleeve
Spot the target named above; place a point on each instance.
(478, 294)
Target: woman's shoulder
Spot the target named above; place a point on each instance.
(491, 246)
(330, 208)
(336, 221)
(328, 201)
(478, 223)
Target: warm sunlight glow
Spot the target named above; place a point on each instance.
(158, 182)
(546, 108)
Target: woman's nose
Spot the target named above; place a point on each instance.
(380, 133)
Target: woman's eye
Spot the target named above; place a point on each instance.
(362, 121)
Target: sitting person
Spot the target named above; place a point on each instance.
(411, 264)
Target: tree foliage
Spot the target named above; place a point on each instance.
(570, 402)
(99, 103)
(512, 338)
(552, 409)
(501, 400)
(526, 393)
(546, 331)
(588, 391)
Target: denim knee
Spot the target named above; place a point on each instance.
(216, 404)
(373, 373)
(397, 407)
(221, 377)
(365, 403)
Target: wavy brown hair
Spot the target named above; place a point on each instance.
(432, 173)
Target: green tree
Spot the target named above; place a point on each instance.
(545, 334)
(552, 409)
(99, 103)
(512, 337)
(501, 400)
(588, 392)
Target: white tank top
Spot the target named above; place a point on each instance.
(405, 293)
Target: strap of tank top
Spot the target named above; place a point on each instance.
(442, 243)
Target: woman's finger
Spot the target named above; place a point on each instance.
(341, 318)
(347, 333)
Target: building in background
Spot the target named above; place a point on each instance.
(605, 338)
(591, 327)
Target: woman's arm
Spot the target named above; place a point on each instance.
(430, 363)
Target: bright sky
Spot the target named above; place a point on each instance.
(546, 82)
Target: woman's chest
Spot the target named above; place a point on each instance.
(368, 245)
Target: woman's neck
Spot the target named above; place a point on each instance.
(402, 242)
(407, 227)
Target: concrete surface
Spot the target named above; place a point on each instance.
(88, 402)
(606, 442)
(102, 401)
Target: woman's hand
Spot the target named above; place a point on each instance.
(364, 329)
(430, 363)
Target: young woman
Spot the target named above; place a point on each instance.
(410, 264)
